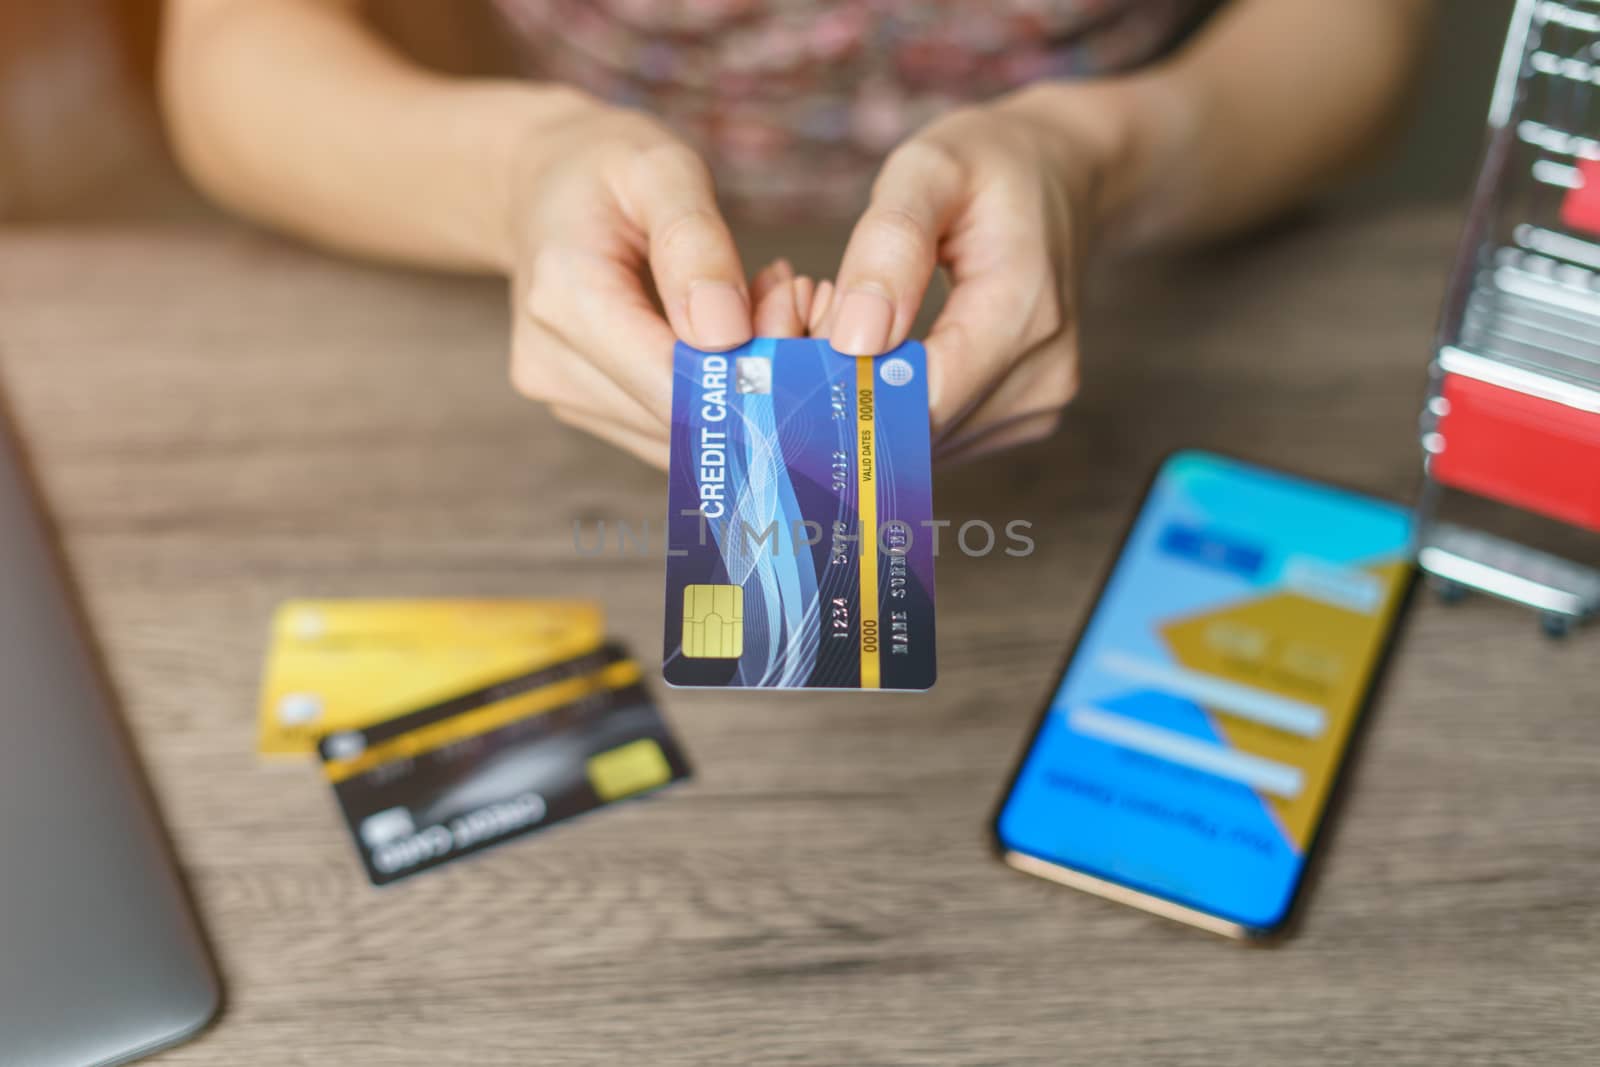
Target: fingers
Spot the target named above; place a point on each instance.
(1032, 393)
(1026, 430)
(821, 303)
(652, 450)
(547, 369)
(772, 293)
(783, 301)
(973, 386)
(992, 321)
(778, 315)
(779, 271)
(894, 248)
(804, 293)
(667, 192)
(597, 309)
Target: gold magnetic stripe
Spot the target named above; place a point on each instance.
(436, 735)
(867, 507)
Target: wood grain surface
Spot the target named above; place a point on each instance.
(223, 421)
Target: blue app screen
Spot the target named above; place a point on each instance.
(1190, 748)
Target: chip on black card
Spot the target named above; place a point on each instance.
(509, 759)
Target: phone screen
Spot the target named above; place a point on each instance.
(1191, 746)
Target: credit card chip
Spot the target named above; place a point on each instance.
(713, 621)
(628, 769)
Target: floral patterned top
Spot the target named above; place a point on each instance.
(794, 102)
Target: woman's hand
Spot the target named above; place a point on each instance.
(1005, 197)
(618, 250)
(363, 151)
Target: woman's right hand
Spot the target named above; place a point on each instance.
(618, 250)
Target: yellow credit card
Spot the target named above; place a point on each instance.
(346, 664)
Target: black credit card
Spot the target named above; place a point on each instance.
(502, 761)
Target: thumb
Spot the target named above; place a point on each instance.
(692, 255)
(894, 248)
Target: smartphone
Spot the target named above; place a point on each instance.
(1186, 756)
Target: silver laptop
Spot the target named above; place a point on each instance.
(101, 960)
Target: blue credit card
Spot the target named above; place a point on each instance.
(800, 536)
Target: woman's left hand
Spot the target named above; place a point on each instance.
(1005, 197)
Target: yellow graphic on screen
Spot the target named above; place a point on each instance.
(1300, 649)
(713, 621)
(632, 768)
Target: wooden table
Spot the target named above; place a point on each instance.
(223, 421)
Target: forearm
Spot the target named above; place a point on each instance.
(1273, 100)
(291, 112)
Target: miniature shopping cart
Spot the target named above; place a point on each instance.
(1513, 409)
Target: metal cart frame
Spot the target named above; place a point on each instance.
(1513, 407)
